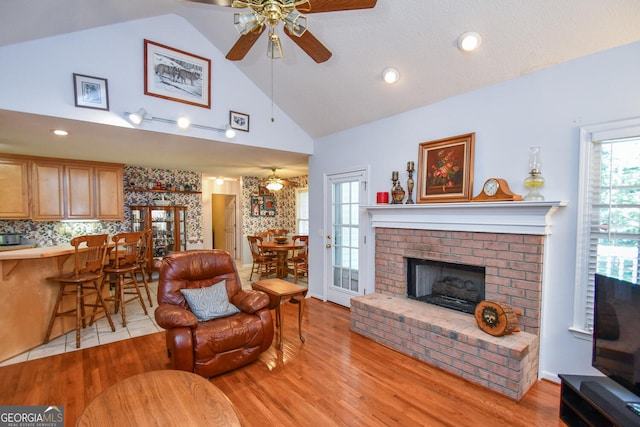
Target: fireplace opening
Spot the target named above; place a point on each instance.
(456, 286)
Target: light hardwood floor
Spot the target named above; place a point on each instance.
(336, 378)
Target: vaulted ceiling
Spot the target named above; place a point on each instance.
(418, 37)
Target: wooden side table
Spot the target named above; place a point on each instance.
(277, 289)
(166, 398)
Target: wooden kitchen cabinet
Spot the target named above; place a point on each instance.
(77, 190)
(168, 230)
(47, 190)
(80, 201)
(109, 192)
(14, 188)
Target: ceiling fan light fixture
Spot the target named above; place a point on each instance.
(274, 49)
(390, 75)
(469, 41)
(246, 22)
(296, 23)
(274, 185)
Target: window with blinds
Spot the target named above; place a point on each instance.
(609, 233)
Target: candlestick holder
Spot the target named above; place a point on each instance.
(410, 187)
(397, 192)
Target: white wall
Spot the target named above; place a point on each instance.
(37, 78)
(545, 108)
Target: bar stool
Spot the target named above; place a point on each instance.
(143, 248)
(85, 281)
(122, 267)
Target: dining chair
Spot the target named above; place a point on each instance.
(299, 260)
(82, 283)
(263, 264)
(123, 267)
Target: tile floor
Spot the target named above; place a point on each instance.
(138, 324)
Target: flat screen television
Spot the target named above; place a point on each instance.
(616, 333)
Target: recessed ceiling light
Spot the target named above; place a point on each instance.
(468, 42)
(390, 75)
(60, 132)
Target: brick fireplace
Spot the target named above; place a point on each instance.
(508, 240)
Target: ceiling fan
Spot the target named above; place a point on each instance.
(274, 183)
(270, 13)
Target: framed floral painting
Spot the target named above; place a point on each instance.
(445, 169)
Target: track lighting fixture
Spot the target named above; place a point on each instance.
(183, 122)
(137, 117)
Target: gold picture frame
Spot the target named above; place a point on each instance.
(445, 169)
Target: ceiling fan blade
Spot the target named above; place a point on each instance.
(214, 2)
(244, 44)
(316, 6)
(310, 45)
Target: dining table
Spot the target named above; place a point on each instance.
(282, 251)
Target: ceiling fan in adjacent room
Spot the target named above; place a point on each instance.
(270, 13)
(274, 183)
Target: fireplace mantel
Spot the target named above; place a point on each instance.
(488, 217)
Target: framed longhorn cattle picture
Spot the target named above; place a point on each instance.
(176, 75)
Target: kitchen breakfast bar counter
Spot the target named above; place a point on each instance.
(28, 298)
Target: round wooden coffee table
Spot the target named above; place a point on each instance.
(162, 398)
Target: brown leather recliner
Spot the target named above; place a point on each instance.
(214, 346)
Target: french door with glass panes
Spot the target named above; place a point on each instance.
(345, 236)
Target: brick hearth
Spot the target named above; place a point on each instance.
(449, 340)
(508, 239)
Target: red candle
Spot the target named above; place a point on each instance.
(382, 197)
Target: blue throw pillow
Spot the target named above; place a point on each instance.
(210, 302)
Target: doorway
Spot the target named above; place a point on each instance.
(345, 236)
(223, 223)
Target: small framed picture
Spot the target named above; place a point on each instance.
(90, 92)
(239, 121)
(445, 169)
(176, 75)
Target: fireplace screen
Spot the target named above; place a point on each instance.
(456, 286)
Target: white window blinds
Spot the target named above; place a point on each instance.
(609, 232)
